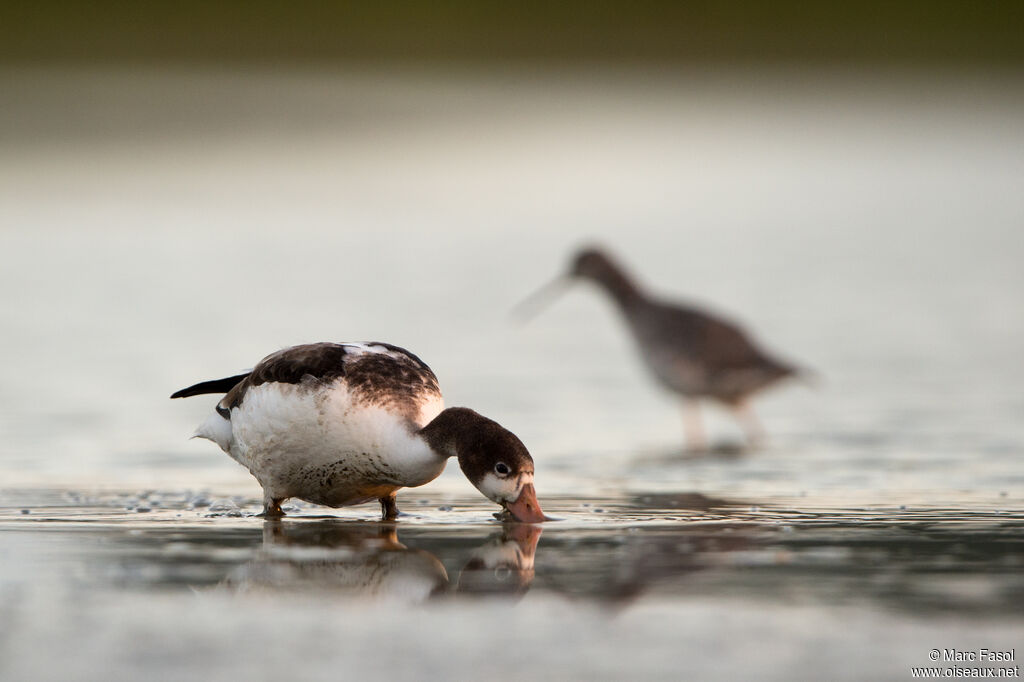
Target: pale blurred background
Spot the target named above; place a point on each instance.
(186, 188)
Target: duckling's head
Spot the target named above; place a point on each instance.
(493, 459)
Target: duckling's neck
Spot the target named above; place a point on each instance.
(451, 433)
(473, 439)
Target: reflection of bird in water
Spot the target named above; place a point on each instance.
(339, 424)
(504, 564)
(689, 351)
(368, 561)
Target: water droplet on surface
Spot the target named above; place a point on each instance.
(224, 508)
(199, 500)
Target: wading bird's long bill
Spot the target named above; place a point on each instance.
(536, 302)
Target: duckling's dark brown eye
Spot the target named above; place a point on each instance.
(501, 469)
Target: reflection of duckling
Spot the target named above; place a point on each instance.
(361, 560)
(504, 564)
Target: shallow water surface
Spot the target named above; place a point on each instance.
(188, 578)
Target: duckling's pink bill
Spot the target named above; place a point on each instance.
(527, 509)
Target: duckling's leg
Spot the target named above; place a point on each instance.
(750, 423)
(272, 507)
(388, 507)
(693, 426)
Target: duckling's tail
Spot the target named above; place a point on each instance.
(214, 386)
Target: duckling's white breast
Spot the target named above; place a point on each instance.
(329, 445)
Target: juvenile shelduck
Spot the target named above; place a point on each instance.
(340, 424)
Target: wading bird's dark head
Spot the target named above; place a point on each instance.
(592, 263)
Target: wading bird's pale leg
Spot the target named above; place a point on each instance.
(694, 426)
(750, 423)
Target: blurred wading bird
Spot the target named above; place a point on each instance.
(339, 424)
(689, 351)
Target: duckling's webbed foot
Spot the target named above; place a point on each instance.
(389, 508)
